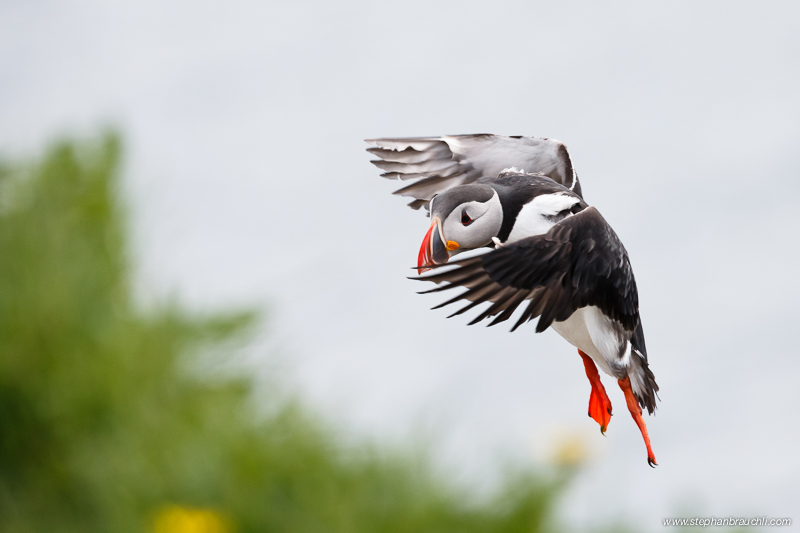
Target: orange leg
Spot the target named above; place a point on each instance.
(636, 413)
(599, 404)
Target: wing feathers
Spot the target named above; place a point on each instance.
(506, 314)
(426, 188)
(479, 299)
(506, 307)
(430, 160)
(465, 282)
(441, 167)
(474, 294)
(415, 143)
(411, 156)
(533, 309)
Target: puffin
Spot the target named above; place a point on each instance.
(538, 247)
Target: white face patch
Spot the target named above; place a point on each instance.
(485, 219)
(533, 217)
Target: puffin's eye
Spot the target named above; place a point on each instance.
(465, 220)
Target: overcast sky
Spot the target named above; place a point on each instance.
(245, 122)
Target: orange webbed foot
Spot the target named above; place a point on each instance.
(599, 404)
(636, 413)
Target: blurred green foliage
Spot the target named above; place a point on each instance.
(105, 427)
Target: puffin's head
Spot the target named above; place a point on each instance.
(462, 218)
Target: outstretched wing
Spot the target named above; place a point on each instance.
(579, 262)
(438, 163)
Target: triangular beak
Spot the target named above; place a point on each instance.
(433, 250)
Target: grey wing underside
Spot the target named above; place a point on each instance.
(439, 163)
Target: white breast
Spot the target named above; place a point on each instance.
(592, 332)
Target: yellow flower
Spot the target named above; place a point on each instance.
(570, 452)
(177, 519)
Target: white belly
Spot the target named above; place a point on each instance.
(589, 330)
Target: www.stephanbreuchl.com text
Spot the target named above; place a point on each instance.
(728, 521)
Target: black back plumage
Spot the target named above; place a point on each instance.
(515, 190)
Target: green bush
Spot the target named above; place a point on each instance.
(104, 427)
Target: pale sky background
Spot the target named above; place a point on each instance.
(244, 124)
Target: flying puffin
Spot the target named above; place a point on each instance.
(548, 252)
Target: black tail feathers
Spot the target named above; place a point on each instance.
(642, 378)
